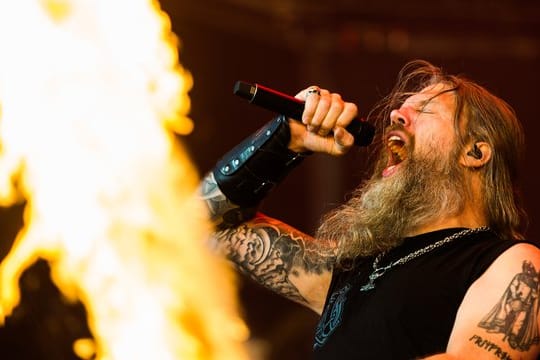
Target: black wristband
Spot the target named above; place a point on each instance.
(249, 171)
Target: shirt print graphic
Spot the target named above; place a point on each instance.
(332, 316)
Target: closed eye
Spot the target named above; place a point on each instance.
(425, 109)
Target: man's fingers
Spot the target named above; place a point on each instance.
(325, 117)
(349, 112)
(343, 141)
(310, 96)
(332, 116)
(320, 103)
(339, 143)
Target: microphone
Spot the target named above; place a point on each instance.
(293, 108)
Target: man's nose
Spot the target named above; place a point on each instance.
(396, 117)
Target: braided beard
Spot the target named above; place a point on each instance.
(385, 210)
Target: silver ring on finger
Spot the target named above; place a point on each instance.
(313, 90)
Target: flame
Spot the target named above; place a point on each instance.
(91, 94)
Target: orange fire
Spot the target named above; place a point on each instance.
(91, 94)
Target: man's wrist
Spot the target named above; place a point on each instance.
(247, 173)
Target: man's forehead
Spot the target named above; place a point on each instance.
(436, 93)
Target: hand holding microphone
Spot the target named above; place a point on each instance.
(254, 167)
(325, 117)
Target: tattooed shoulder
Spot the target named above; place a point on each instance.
(515, 315)
(514, 319)
(499, 316)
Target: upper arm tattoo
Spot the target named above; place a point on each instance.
(515, 316)
(270, 252)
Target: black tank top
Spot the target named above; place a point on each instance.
(411, 311)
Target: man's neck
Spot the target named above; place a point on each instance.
(467, 219)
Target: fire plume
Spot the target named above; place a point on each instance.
(91, 96)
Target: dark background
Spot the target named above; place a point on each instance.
(352, 47)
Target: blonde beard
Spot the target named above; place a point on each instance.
(384, 210)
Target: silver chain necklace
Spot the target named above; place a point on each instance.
(380, 271)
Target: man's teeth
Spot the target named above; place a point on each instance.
(396, 146)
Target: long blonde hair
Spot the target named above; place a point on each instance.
(479, 116)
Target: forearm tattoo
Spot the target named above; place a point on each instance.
(515, 316)
(222, 211)
(271, 254)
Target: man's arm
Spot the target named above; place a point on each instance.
(499, 317)
(272, 253)
(280, 258)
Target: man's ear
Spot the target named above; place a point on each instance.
(476, 155)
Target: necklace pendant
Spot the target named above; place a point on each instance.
(377, 273)
(369, 286)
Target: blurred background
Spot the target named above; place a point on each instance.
(352, 47)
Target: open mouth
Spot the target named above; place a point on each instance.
(397, 153)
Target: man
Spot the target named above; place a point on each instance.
(426, 258)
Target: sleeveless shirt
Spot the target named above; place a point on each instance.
(411, 311)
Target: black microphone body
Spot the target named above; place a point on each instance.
(293, 108)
